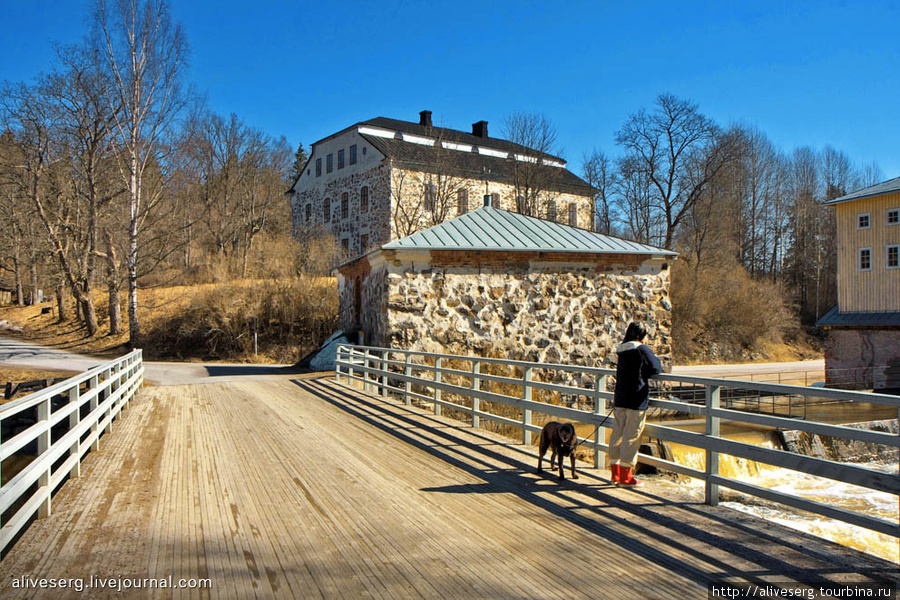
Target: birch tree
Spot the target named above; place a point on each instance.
(145, 53)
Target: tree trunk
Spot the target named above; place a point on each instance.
(34, 279)
(60, 304)
(17, 266)
(112, 282)
(133, 323)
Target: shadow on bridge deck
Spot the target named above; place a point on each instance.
(293, 486)
(689, 539)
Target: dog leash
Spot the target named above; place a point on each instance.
(597, 427)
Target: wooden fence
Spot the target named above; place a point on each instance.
(49, 433)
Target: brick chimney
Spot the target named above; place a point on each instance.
(425, 118)
(479, 129)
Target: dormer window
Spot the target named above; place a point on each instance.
(863, 221)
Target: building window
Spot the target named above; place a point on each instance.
(865, 259)
(364, 150)
(327, 210)
(893, 216)
(495, 200)
(429, 197)
(551, 210)
(364, 242)
(318, 167)
(573, 214)
(862, 221)
(363, 199)
(340, 159)
(353, 154)
(462, 199)
(345, 247)
(345, 205)
(892, 257)
(329, 163)
(308, 212)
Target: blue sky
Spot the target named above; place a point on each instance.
(806, 73)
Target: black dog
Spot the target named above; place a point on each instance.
(562, 439)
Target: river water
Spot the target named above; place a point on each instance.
(837, 494)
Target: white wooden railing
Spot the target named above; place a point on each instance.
(69, 418)
(397, 372)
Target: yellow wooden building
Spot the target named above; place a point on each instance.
(863, 348)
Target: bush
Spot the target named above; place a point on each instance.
(721, 313)
(291, 317)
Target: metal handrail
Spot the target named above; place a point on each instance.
(379, 369)
(88, 403)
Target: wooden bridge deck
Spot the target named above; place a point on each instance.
(295, 487)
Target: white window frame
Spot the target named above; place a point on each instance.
(868, 221)
(887, 216)
(859, 256)
(887, 252)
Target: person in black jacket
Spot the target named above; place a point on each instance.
(637, 364)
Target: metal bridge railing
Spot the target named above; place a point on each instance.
(424, 376)
(53, 429)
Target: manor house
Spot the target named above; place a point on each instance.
(385, 179)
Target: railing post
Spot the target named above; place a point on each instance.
(408, 386)
(43, 446)
(367, 364)
(94, 385)
(384, 374)
(74, 419)
(526, 412)
(337, 366)
(476, 388)
(712, 457)
(108, 383)
(350, 372)
(437, 379)
(600, 434)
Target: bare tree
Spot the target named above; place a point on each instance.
(598, 171)
(679, 150)
(145, 56)
(535, 180)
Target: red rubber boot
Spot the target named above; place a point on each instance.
(616, 473)
(626, 478)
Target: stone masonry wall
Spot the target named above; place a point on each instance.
(571, 316)
(862, 358)
(374, 222)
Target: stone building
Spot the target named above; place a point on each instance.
(383, 179)
(497, 283)
(863, 346)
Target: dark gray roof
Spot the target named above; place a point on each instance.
(834, 318)
(885, 187)
(490, 228)
(469, 164)
(453, 135)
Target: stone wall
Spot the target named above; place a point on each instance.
(862, 358)
(374, 222)
(573, 315)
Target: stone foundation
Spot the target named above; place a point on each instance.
(862, 358)
(572, 317)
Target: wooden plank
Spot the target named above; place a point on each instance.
(274, 488)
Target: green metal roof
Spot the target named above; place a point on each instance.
(885, 187)
(489, 228)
